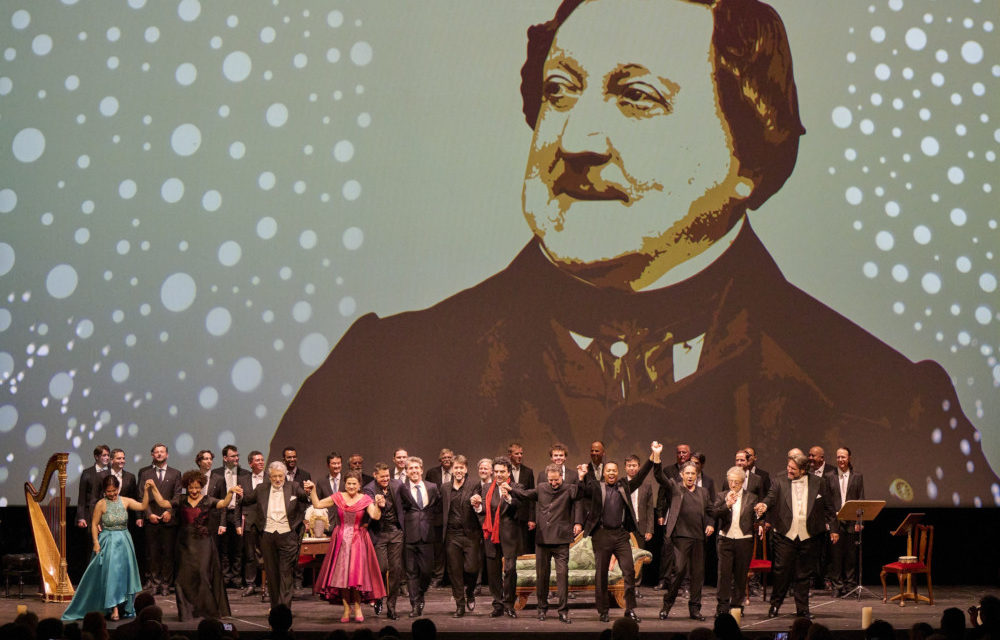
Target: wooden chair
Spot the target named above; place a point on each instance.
(759, 565)
(923, 545)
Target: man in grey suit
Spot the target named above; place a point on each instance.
(734, 515)
(554, 533)
(688, 525)
(801, 509)
(280, 507)
(846, 484)
(388, 535)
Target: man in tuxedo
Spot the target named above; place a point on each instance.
(817, 463)
(523, 475)
(555, 531)
(421, 502)
(356, 462)
(703, 480)
(801, 509)
(611, 518)
(642, 503)
(733, 511)
(462, 535)
(280, 507)
(846, 484)
(818, 467)
(688, 525)
(253, 526)
(126, 480)
(293, 472)
(90, 486)
(441, 476)
(159, 524)
(388, 534)
(211, 486)
(752, 467)
(230, 540)
(503, 537)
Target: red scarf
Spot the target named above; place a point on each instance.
(491, 528)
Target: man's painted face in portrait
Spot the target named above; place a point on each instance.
(630, 148)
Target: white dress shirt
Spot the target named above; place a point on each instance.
(277, 517)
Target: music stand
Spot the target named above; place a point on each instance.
(860, 511)
(907, 526)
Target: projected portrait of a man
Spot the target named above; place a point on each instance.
(645, 307)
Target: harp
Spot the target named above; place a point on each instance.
(56, 586)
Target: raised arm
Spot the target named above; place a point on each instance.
(375, 508)
(644, 470)
(235, 490)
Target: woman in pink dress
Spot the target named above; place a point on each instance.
(350, 570)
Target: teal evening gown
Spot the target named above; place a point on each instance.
(112, 578)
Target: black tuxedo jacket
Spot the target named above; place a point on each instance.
(595, 491)
(219, 473)
(251, 517)
(555, 510)
(296, 503)
(129, 487)
(676, 491)
(169, 489)
(819, 507)
(708, 484)
(419, 521)
(525, 478)
(855, 488)
(470, 519)
(776, 366)
(647, 509)
(724, 515)
(436, 475)
(89, 493)
(301, 475)
(755, 484)
(323, 488)
(396, 488)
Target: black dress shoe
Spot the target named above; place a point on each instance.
(604, 617)
(250, 591)
(414, 613)
(631, 615)
(378, 607)
(470, 602)
(391, 614)
(509, 612)
(564, 618)
(459, 611)
(772, 612)
(804, 614)
(696, 615)
(496, 613)
(664, 612)
(541, 615)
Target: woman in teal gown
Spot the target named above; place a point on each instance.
(112, 578)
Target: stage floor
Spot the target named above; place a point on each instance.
(315, 618)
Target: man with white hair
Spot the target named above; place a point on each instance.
(280, 507)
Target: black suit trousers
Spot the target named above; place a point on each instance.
(501, 573)
(389, 552)
(230, 548)
(794, 561)
(544, 554)
(281, 555)
(251, 554)
(161, 545)
(734, 561)
(844, 559)
(689, 557)
(607, 543)
(464, 563)
(419, 558)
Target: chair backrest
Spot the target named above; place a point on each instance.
(760, 541)
(924, 543)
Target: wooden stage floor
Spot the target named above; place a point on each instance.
(315, 618)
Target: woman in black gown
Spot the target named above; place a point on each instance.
(199, 588)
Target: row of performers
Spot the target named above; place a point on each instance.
(386, 529)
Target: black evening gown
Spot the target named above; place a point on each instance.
(199, 588)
